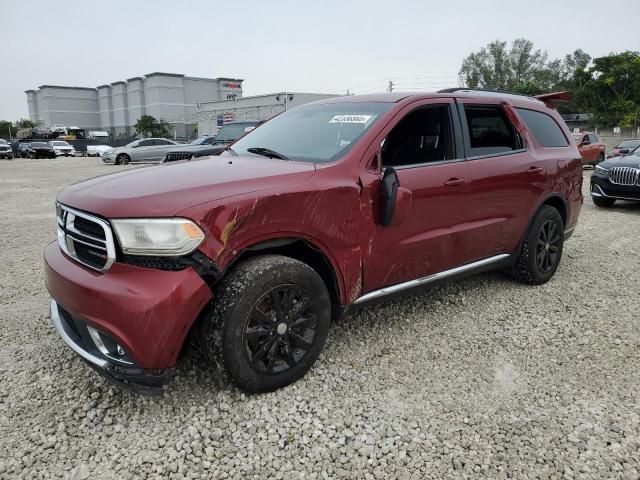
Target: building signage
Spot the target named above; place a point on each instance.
(233, 85)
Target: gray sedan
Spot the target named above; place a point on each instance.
(143, 150)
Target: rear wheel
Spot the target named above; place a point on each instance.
(541, 249)
(268, 324)
(603, 201)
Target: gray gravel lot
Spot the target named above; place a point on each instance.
(485, 378)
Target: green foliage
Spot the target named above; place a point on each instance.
(148, 126)
(10, 129)
(610, 89)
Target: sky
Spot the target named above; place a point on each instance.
(320, 46)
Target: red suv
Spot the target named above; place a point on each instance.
(591, 149)
(325, 207)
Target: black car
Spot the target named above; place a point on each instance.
(228, 133)
(40, 150)
(614, 179)
(22, 149)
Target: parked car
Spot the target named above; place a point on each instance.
(143, 150)
(328, 206)
(22, 149)
(97, 150)
(40, 150)
(591, 149)
(63, 148)
(625, 147)
(201, 147)
(5, 150)
(616, 178)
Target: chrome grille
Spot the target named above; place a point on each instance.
(175, 156)
(85, 238)
(624, 176)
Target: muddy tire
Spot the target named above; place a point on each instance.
(541, 249)
(268, 323)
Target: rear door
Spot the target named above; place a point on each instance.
(143, 151)
(505, 180)
(161, 148)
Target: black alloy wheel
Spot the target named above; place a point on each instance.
(268, 323)
(280, 329)
(548, 248)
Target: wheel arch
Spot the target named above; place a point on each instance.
(555, 200)
(302, 249)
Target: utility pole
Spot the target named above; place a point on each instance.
(390, 88)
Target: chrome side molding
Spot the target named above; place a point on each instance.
(430, 278)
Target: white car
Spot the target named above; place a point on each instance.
(97, 150)
(63, 148)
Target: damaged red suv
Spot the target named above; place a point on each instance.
(325, 207)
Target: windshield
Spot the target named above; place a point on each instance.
(59, 144)
(313, 133)
(630, 144)
(233, 131)
(199, 141)
(39, 144)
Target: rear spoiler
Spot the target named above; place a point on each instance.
(553, 99)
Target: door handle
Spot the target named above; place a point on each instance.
(535, 170)
(455, 182)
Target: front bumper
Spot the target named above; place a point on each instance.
(602, 187)
(108, 158)
(147, 312)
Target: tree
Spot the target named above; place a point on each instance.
(148, 126)
(519, 68)
(26, 123)
(7, 129)
(610, 89)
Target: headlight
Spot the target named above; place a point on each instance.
(601, 171)
(158, 236)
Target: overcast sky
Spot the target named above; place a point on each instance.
(318, 46)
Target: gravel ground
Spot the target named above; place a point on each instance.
(484, 378)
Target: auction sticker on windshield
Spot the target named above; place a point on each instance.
(350, 119)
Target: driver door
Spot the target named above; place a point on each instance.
(423, 145)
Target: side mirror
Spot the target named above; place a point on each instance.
(396, 200)
(623, 151)
(389, 186)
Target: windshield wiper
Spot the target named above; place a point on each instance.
(267, 152)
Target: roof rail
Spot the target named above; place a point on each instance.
(485, 91)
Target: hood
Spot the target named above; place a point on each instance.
(625, 161)
(167, 189)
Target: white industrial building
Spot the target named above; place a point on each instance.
(211, 115)
(116, 107)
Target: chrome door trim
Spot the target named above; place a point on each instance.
(429, 278)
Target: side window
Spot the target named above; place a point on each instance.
(422, 136)
(594, 138)
(490, 131)
(543, 127)
(586, 140)
(145, 143)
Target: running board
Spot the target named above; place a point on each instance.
(383, 292)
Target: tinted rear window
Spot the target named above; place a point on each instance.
(544, 128)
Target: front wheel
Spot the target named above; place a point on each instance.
(541, 249)
(268, 324)
(603, 202)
